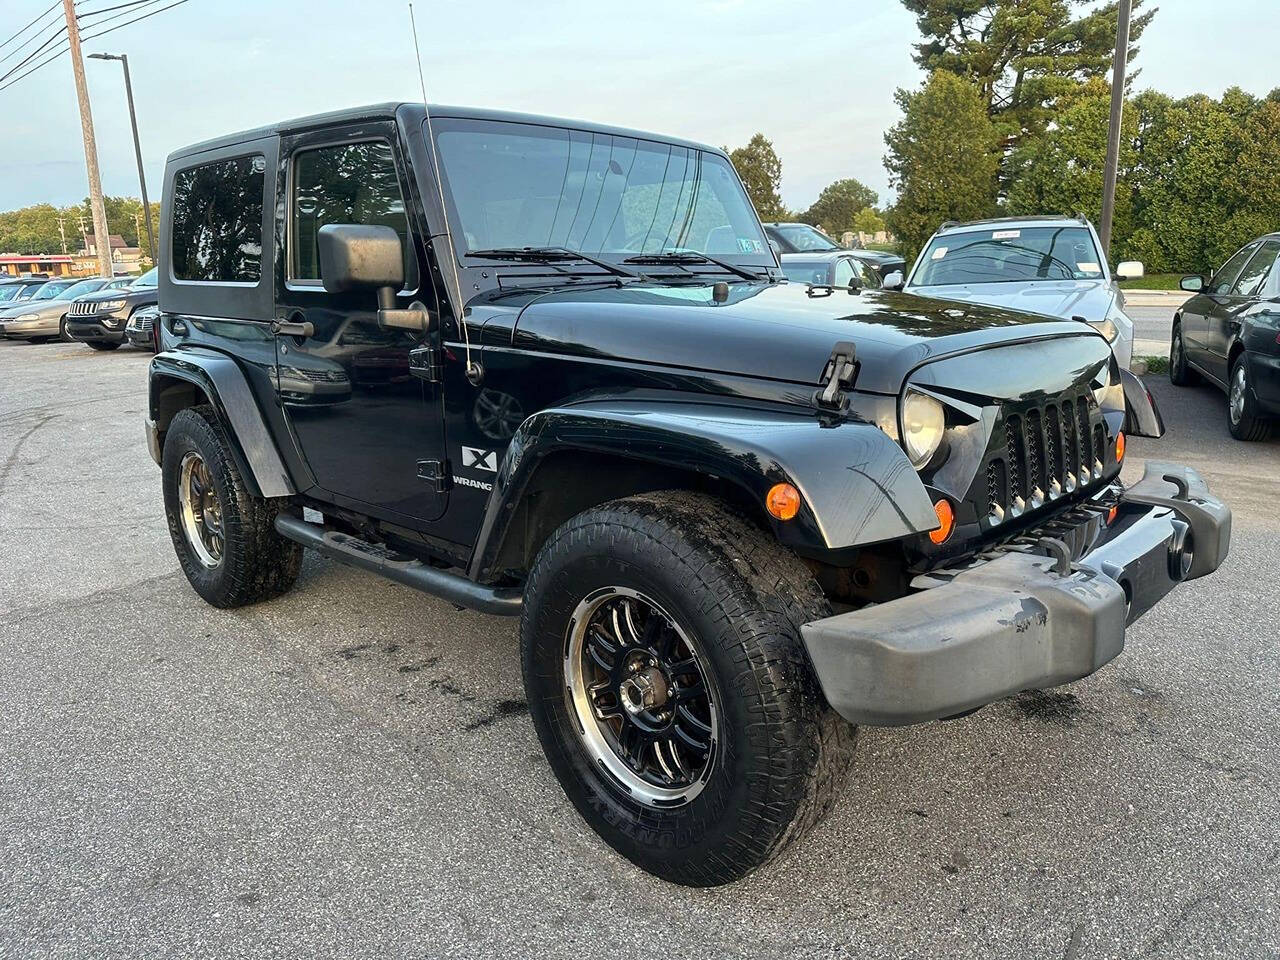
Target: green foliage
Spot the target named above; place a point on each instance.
(34, 229)
(868, 220)
(942, 159)
(839, 205)
(761, 171)
(1023, 55)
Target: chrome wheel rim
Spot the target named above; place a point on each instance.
(639, 694)
(200, 509)
(1237, 394)
(1176, 360)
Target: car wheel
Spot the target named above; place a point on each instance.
(1180, 374)
(104, 344)
(1243, 416)
(225, 537)
(670, 689)
(62, 331)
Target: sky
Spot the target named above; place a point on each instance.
(815, 76)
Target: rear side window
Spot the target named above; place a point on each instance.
(1258, 269)
(217, 221)
(350, 183)
(1226, 278)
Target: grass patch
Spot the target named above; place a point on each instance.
(1156, 364)
(1155, 281)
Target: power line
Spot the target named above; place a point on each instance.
(31, 39)
(52, 7)
(48, 60)
(135, 20)
(134, 7)
(119, 6)
(60, 32)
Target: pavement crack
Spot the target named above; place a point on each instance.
(12, 459)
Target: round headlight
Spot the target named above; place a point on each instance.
(923, 423)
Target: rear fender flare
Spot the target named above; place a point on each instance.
(225, 388)
(856, 485)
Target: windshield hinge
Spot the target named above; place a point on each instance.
(436, 473)
(840, 374)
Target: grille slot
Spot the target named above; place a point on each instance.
(1017, 476)
(1099, 446)
(1053, 450)
(1033, 435)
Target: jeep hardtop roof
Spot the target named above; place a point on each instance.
(389, 111)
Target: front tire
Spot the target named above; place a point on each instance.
(1244, 419)
(1180, 375)
(225, 537)
(670, 688)
(103, 344)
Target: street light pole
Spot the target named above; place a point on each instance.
(1118, 66)
(137, 146)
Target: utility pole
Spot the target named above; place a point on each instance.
(97, 207)
(1118, 66)
(137, 147)
(62, 232)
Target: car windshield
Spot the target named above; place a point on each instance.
(146, 281)
(9, 291)
(1009, 254)
(803, 238)
(52, 289)
(610, 196)
(807, 271)
(81, 288)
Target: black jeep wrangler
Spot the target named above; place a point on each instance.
(552, 370)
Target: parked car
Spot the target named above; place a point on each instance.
(803, 238)
(99, 319)
(14, 291)
(41, 293)
(1229, 334)
(143, 328)
(833, 268)
(1049, 265)
(43, 316)
(623, 427)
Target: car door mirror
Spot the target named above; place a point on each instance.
(1130, 270)
(361, 257)
(1192, 284)
(894, 281)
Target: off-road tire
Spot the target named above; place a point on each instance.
(103, 344)
(743, 596)
(1180, 374)
(1252, 423)
(256, 563)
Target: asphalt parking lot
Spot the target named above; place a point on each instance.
(350, 770)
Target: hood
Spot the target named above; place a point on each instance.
(42, 307)
(121, 293)
(1090, 299)
(778, 332)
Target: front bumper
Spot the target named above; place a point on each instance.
(22, 329)
(85, 329)
(1021, 621)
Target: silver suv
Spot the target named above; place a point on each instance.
(1049, 265)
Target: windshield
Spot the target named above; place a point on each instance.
(83, 287)
(803, 238)
(1010, 254)
(613, 197)
(10, 291)
(53, 289)
(148, 279)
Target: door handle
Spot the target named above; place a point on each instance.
(291, 328)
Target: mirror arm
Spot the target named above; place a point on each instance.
(414, 317)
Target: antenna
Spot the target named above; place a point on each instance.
(473, 369)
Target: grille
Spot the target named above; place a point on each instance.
(142, 324)
(82, 309)
(1048, 451)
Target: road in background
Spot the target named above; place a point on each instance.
(350, 770)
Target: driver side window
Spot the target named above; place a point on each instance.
(1225, 278)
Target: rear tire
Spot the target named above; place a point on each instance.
(225, 537)
(729, 599)
(1244, 419)
(103, 345)
(1180, 375)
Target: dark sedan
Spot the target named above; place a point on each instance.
(803, 238)
(1229, 335)
(99, 319)
(836, 268)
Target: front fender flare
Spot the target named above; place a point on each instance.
(856, 484)
(219, 378)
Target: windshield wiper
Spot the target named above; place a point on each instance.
(692, 256)
(552, 255)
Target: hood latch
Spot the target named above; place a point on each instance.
(839, 375)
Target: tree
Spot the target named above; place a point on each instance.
(839, 205)
(761, 171)
(868, 221)
(942, 159)
(1023, 55)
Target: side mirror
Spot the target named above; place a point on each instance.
(894, 281)
(1192, 284)
(367, 257)
(1130, 270)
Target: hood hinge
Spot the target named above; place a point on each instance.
(839, 375)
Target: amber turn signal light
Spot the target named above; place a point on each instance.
(946, 517)
(1111, 514)
(1119, 447)
(782, 501)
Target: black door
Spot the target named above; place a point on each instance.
(368, 429)
(1205, 316)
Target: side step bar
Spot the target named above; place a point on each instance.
(501, 601)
